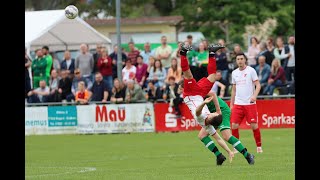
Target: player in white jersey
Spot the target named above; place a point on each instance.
(245, 89)
(193, 94)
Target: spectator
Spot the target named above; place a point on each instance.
(55, 63)
(154, 93)
(39, 95)
(27, 65)
(264, 52)
(222, 64)
(38, 68)
(290, 69)
(74, 88)
(263, 71)
(277, 77)
(133, 53)
(205, 44)
(157, 74)
(190, 39)
(64, 86)
(202, 58)
(68, 64)
(48, 57)
(223, 43)
(253, 51)
(96, 56)
(171, 93)
(270, 44)
(218, 87)
(53, 86)
(82, 95)
(163, 53)
(128, 72)
(100, 90)
(85, 62)
(151, 64)
(282, 52)
(236, 50)
(105, 67)
(146, 53)
(133, 92)
(174, 71)
(118, 92)
(114, 57)
(141, 72)
(176, 53)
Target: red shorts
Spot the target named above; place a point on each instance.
(193, 88)
(249, 112)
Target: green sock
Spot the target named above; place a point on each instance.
(210, 145)
(237, 145)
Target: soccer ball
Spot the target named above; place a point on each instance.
(71, 12)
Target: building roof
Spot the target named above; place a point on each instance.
(173, 20)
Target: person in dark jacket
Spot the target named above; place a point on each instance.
(171, 94)
(264, 52)
(64, 87)
(68, 64)
(118, 92)
(99, 89)
(154, 93)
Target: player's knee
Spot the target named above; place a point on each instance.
(254, 126)
(202, 135)
(226, 135)
(235, 126)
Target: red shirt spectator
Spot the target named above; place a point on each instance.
(133, 53)
(141, 71)
(105, 63)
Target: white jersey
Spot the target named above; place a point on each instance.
(244, 81)
(193, 102)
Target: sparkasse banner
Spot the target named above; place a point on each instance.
(115, 118)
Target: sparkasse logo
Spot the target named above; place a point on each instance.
(277, 120)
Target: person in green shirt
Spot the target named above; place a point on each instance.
(48, 57)
(38, 68)
(224, 127)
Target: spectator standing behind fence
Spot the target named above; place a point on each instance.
(236, 50)
(40, 94)
(176, 54)
(219, 87)
(118, 92)
(171, 93)
(154, 93)
(133, 53)
(134, 92)
(141, 71)
(27, 64)
(48, 57)
(68, 64)
(82, 95)
(128, 72)
(64, 86)
(277, 77)
(174, 71)
(84, 62)
(282, 52)
(263, 71)
(55, 63)
(53, 86)
(192, 59)
(105, 67)
(163, 53)
(222, 64)
(100, 90)
(157, 74)
(146, 52)
(290, 69)
(96, 56)
(270, 45)
(264, 52)
(202, 58)
(38, 68)
(114, 57)
(253, 51)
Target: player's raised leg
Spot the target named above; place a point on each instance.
(184, 61)
(212, 65)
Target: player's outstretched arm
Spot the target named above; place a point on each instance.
(216, 103)
(223, 145)
(200, 107)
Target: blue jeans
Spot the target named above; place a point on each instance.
(270, 88)
(224, 74)
(35, 99)
(108, 80)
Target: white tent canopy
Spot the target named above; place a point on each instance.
(53, 29)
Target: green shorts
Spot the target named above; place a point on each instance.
(225, 124)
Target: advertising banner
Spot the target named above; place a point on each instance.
(116, 118)
(36, 120)
(62, 119)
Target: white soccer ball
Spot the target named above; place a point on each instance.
(71, 12)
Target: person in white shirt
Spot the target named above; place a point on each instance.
(245, 89)
(290, 70)
(40, 94)
(128, 72)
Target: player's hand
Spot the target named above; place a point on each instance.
(253, 99)
(231, 155)
(208, 99)
(219, 111)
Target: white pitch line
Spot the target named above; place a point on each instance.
(85, 169)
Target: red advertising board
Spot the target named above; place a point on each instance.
(279, 113)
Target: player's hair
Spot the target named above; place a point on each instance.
(215, 121)
(46, 48)
(241, 54)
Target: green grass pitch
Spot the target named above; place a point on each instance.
(155, 156)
